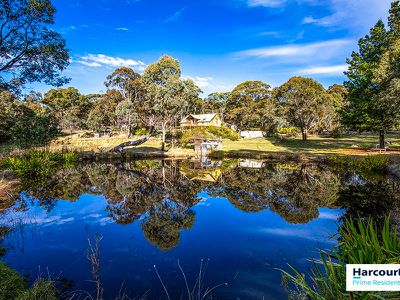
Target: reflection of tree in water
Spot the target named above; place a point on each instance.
(163, 224)
(4, 230)
(164, 194)
(246, 189)
(294, 192)
(378, 196)
(65, 184)
(298, 195)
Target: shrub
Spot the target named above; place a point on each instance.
(336, 133)
(291, 131)
(376, 163)
(141, 131)
(208, 133)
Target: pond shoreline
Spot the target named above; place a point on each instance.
(394, 156)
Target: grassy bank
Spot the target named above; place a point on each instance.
(38, 163)
(315, 145)
(363, 242)
(14, 286)
(251, 148)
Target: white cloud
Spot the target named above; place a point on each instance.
(296, 50)
(201, 82)
(122, 29)
(89, 64)
(101, 60)
(266, 3)
(324, 70)
(359, 14)
(175, 16)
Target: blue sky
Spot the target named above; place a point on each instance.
(219, 43)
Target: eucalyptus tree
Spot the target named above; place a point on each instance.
(216, 102)
(29, 49)
(168, 97)
(24, 123)
(70, 107)
(98, 119)
(372, 101)
(305, 103)
(127, 81)
(126, 115)
(245, 104)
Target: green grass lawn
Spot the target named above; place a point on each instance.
(355, 144)
(314, 145)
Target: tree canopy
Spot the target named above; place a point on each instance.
(370, 106)
(29, 50)
(305, 103)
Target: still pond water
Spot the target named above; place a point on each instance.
(234, 222)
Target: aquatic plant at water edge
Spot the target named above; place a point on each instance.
(13, 286)
(376, 163)
(358, 243)
(38, 163)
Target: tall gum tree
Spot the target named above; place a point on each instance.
(304, 102)
(168, 97)
(371, 101)
(246, 101)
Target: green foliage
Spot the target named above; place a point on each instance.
(141, 131)
(291, 131)
(70, 107)
(126, 115)
(31, 51)
(372, 82)
(376, 163)
(11, 283)
(127, 81)
(43, 289)
(13, 286)
(98, 119)
(25, 124)
(208, 133)
(363, 242)
(216, 102)
(37, 163)
(163, 70)
(168, 97)
(306, 104)
(250, 105)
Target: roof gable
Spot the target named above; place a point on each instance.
(201, 118)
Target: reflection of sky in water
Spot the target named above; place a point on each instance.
(244, 249)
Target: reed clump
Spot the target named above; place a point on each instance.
(38, 162)
(361, 242)
(372, 163)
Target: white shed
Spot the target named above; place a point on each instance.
(252, 134)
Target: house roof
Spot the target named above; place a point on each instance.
(200, 118)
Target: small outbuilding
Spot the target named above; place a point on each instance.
(204, 146)
(252, 134)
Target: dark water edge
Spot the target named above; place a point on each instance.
(241, 219)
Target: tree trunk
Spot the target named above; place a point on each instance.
(304, 134)
(121, 147)
(163, 139)
(382, 139)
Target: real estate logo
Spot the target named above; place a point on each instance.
(373, 277)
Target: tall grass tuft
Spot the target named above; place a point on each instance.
(38, 162)
(14, 286)
(358, 243)
(372, 163)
